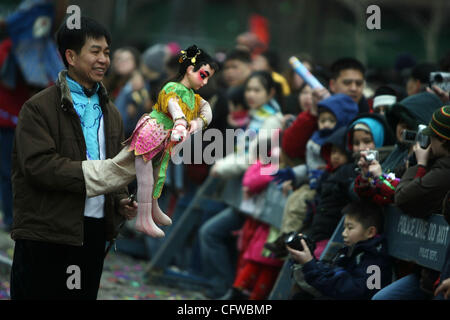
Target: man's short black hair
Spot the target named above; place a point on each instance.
(367, 213)
(74, 39)
(346, 64)
(241, 55)
(422, 72)
(273, 59)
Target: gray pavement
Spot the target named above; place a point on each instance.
(123, 278)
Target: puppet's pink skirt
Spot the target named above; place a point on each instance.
(149, 138)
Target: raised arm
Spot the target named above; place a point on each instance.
(204, 118)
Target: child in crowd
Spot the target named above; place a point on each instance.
(384, 98)
(295, 216)
(334, 112)
(367, 132)
(347, 277)
(419, 194)
(218, 258)
(238, 116)
(257, 270)
(261, 96)
(378, 180)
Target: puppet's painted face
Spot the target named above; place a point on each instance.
(199, 78)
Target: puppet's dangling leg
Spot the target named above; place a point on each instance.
(159, 216)
(144, 220)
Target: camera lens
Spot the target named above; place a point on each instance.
(292, 240)
(438, 78)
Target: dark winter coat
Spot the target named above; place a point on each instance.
(49, 190)
(347, 277)
(422, 196)
(413, 110)
(333, 194)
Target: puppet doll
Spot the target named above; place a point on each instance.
(178, 112)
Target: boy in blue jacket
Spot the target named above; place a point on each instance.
(359, 269)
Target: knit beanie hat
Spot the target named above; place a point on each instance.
(372, 126)
(439, 124)
(155, 57)
(384, 96)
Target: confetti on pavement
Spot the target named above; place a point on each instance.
(122, 279)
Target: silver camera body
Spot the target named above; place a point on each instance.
(441, 80)
(410, 136)
(372, 155)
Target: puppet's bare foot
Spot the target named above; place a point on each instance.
(160, 217)
(145, 223)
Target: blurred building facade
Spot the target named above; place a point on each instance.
(325, 29)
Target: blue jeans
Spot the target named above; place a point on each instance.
(406, 288)
(6, 145)
(219, 249)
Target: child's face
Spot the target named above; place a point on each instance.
(399, 129)
(326, 120)
(337, 158)
(381, 109)
(306, 98)
(354, 231)
(255, 94)
(362, 140)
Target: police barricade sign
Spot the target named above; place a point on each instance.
(254, 205)
(232, 193)
(268, 206)
(418, 240)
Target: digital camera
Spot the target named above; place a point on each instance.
(372, 155)
(293, 240)
(441, 80)
(410, 136)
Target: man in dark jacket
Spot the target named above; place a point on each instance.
(359, 269)
(347, 76)
(60, 233)
(419, 194)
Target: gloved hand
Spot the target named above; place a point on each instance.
(283, 175)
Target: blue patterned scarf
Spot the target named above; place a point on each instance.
(90, 113)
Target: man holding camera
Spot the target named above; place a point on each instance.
(419, 194)
(404, 118)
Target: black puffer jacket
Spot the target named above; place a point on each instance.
(333, 194)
